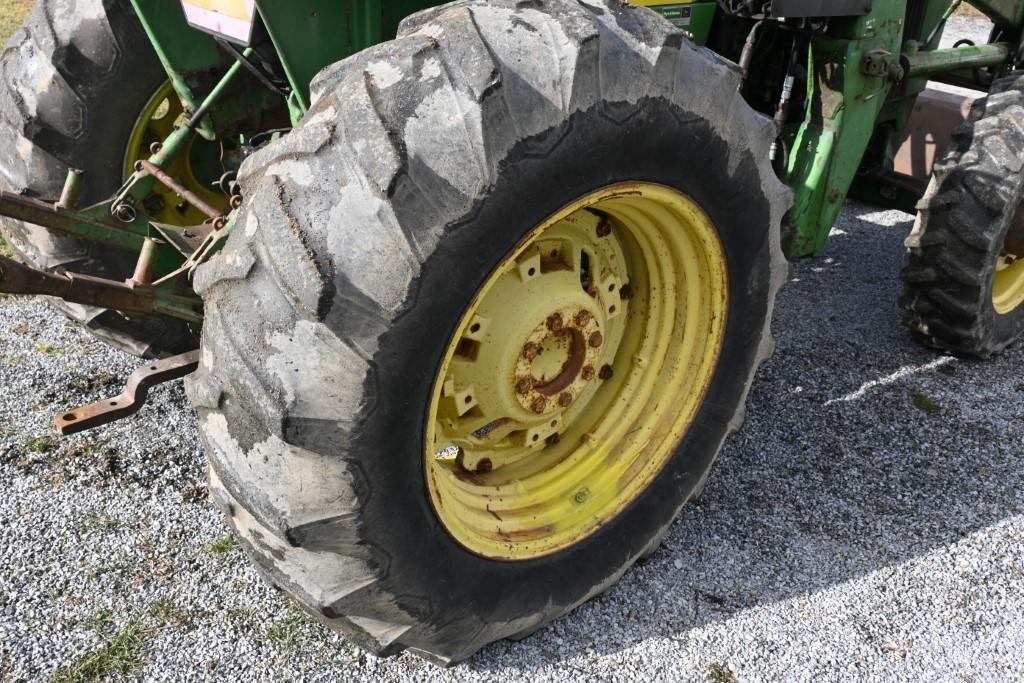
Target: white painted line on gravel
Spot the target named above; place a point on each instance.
(905, 371)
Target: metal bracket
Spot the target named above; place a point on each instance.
(131, 399)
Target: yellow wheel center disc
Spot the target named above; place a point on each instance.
(156, 122)
(576, 371)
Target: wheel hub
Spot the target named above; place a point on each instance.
(557, 360)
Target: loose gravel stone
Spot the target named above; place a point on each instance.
(866, 524)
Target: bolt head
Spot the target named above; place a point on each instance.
(626, 292)
(604, 228)
(531, 351)
(606, 372)
(596, 339)
(555, 322)
(583, 317)
(565, 399)
(589, 372)
(539, 405)
(524, 385)
(553, 439)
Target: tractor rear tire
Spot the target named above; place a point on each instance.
(73, 81)
(960, 293)
(366, 231)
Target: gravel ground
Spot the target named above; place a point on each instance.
(867, 523)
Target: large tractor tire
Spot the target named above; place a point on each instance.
(486, 318)
(75, 83)
(964, 278)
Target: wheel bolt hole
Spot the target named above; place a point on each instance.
(531, 272)
(469, 399)
(475, 328)
(611, 309)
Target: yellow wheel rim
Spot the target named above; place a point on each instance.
(576, 372)
(157, 121)
(1008, 285)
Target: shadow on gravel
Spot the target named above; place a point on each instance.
(861, 451)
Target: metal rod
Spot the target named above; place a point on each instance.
(176, 142)
(146, 264)
(72, 191)
(942, 22)
(179, 189)
(956, 59)
(69, 222)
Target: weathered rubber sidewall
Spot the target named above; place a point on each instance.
(654, 142)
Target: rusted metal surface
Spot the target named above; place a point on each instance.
(179, 189)
(16, 278)
(926, 138)
(72, 190)
(146, 264)
(131, 399)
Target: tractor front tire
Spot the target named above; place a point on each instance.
(964, 278)
(371, 238)
(73, 82)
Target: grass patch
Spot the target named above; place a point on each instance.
(48, 348)
(5, 249)
(12, 14)
(121, 654)
(222, 546)
(288, 632)
(925, 404)
(40, 444)
(720, 673)
(101, 522)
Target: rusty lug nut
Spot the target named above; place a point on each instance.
(596, 339)
(589, 372)
(582, 318)
(606, 372)
(604, 228)
(235, 201)
(524, 385)
(553, 439)
(555, 322)
(539, 405)
(626, 292)
(531, 351)
(565, 399)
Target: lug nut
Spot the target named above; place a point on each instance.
(565, 399)
(604, 228)
(539, 405)
(553, 439)
(606, 372)
(555, 322)
(626, 292)
(582, 318)
(524, 385)
(589, 372)
(531, 351)
(596, 339)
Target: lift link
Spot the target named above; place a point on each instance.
(131, 399)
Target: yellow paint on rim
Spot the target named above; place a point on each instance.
(156, 122)
(576, 372)
(1008, 284)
